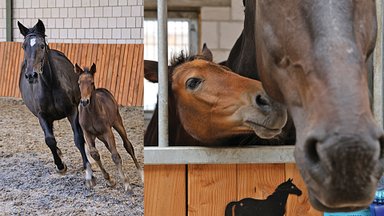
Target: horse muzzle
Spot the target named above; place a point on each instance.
(341, 170)
(84, 102)
(31, 77)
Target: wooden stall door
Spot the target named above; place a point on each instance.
(299, 205)
(165, 190)
(210, 188)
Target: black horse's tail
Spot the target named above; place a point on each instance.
(230, 209)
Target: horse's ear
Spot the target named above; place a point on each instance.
(207, 53)
(93, 69)
(150, 71)
(290, 179)
(40, 27)
(78, 69)
(23, 30)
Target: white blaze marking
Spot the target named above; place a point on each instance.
(32, 42)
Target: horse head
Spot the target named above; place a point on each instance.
(313, 56)
(86, 83)
(35, 48)
(289, 188)
(214, 103)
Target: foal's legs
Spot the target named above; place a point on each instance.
(47, 126)
(96, 156)
(119, 127)
(110, 138)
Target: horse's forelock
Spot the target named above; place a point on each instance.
(86, 70)
(34, 33)
(182, 58)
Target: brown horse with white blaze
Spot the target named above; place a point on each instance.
(98, 113)
(312, 55)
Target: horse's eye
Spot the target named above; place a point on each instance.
(42, 46)
(193, 83)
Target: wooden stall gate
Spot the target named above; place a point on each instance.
(206, 189)
(119, 68)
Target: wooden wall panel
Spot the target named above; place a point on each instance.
(259, 180)
(202, 190)
(210, 189)
(165, 190)
(298, 205)
(119, 67)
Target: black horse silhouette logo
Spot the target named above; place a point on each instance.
(274, 205)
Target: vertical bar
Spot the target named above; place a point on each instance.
(8, 18)
(163, 71)
(193, 37)
(378, 66)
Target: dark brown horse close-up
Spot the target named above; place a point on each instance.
(208, 103)
(49, 89)
(312, 55)
(98, 113)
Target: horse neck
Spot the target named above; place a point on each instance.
(48, 76)
(279, 197)
(243, 54)
(94, 105)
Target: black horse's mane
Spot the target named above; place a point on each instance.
(86, 70)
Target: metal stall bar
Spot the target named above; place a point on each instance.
(222, 155)
(8, 18)
(378, 67)
(163, 71)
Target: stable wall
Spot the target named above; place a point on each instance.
(206, 189)
(119, 68)
(79, 21)
(220, 28)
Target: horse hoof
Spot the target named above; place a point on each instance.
(62, 171)
(111, 183)
(90, 183)
(141, 175)
(128, 188)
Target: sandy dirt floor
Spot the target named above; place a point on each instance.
(30, 185)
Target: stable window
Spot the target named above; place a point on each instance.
(182, 35)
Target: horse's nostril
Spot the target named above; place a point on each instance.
(262, 101)
(34, 75)
(84, 102)
(381, 141)
(311, 150)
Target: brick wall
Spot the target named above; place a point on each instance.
(2, 21)
(80, 21)
(220, 27)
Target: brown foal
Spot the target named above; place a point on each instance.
(98, 113)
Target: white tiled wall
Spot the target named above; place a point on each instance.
(2, 21)
(220, 28)
(79, 21)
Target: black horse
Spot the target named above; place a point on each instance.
(49, 89)
(274, 205)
